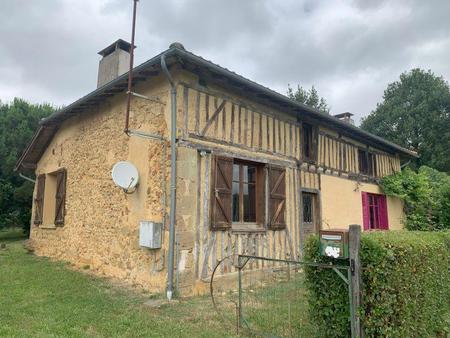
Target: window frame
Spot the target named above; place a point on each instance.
(52, 200)
(375, 204)
(260, 178)
(367, 162)
(309, 139)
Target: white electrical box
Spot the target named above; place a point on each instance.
(150, 234)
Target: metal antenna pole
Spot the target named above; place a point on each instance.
(130, 72)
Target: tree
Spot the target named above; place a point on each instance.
(309, 97)
(415, 114)
(426, 194)
(18, 122)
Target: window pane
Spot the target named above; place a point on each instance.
(251, 174)
(307, 208)
(249, 203)
(235, 172)
(235, 205)
(245, 173)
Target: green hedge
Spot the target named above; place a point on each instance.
(406, 286)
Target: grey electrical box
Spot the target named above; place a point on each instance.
(150, 234)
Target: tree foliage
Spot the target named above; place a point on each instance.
(415, 113)
(426, 194)
(18, 122)
(309, 97)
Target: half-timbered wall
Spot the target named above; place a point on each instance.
(212, 246)
(214, 116)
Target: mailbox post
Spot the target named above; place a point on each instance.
(345, 244)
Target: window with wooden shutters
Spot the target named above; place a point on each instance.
(221, 192)
(39, 200)
(60, 196)
(277, 198)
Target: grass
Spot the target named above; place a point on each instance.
(41, 298)
(9, 235)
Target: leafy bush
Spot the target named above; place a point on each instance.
(406, 286)
(426, 194)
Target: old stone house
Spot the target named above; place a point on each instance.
(253, 170)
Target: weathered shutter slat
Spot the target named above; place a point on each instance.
(365, 209)
(60, 197)
(221, 193)
(277, 198)
(39, 200)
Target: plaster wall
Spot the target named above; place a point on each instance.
(342, 203)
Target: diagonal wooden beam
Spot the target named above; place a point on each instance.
(213, 117)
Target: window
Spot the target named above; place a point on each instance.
(374, 211)
(367, 162)
(307, 200)
(244, 192)
(49, 201)
(308, 141)
(239, 197)
(310, 215)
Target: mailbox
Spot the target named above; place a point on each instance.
(334, 243)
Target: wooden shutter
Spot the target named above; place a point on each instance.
(365, 210)
(39, 200)
(60, 197)
(277, 198)
(383, 215)
(222, 177)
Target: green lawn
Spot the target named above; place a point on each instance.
(43, 298)
(40, 298)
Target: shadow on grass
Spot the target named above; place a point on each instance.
(12, 235)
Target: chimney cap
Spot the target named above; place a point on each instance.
(343, 115)
(118, 44)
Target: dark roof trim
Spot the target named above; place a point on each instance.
(119, 85)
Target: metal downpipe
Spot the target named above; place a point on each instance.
(173, 173)
(27, 178)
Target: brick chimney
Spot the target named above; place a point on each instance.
(115, 61)
(346, 117)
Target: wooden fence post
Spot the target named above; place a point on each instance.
(354, 238)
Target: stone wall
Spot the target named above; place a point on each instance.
(101, 226)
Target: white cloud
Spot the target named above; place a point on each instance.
(349, 50)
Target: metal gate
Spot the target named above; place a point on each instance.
(271, 295)
(268, 296)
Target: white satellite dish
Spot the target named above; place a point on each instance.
(125, 175)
